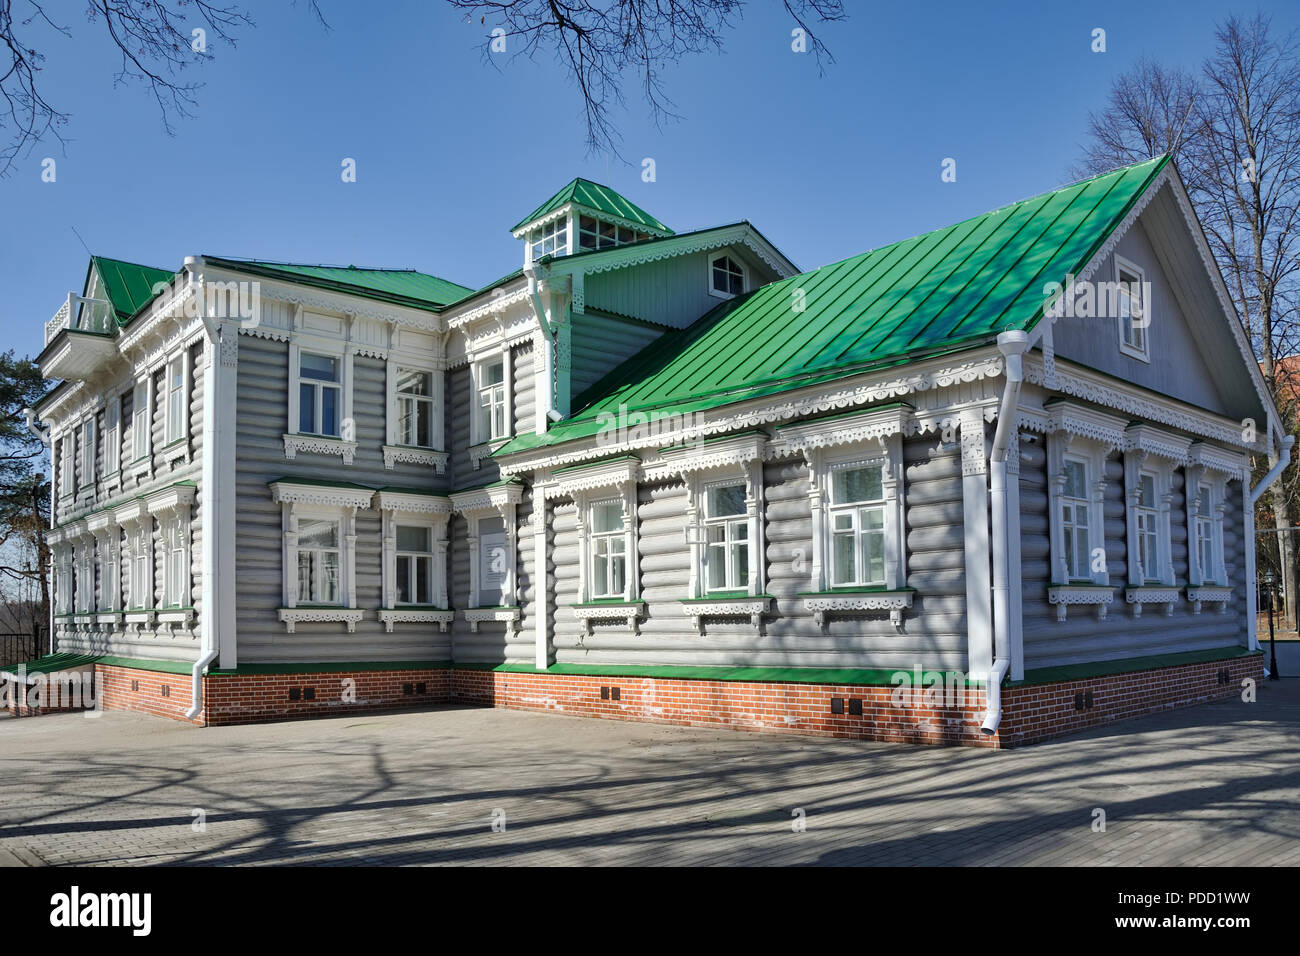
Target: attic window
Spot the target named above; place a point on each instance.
(726, 277)
(594, 234)
(1132, 309)
(552, 240)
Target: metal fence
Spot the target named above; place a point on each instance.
(16, 648)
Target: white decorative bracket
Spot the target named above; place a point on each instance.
(477, 615)
(1209, 594)
(292, 616)
(751, 607)
(628, 611)
(405, 615)
(415, 456)
(1100, 597)
(1138, 596)
(895, 602)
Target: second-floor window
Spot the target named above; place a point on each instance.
(88, 453)
(320, 394)
(318, 562)
(67, 474)
(726, 277)
(140, 422)
(415, 408)
(113, 436)
(492, 401)
(176, 425)
(175, 590)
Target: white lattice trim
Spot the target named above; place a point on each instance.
(751, 607)
(1086, 423)
(869, 425)
(412, 502)
(1153, 441)
(733, 451)
(477, 615)
(628, 611)
(1232, 464)
(604, 474)
(415, 456)
(333, 496)
(292, 616)
(477, 453)
(1063, 595)
(1152, 595)
(319, 445)
(1209, 594)
(389, 616)
(895, 602)
(487, 500)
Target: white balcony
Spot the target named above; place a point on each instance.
(79, 339)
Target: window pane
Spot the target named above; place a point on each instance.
(1075, 481)
(411, 382)
(625, 235)
(413, 538)
(306, 408)
(318, 534)
(1147, 488)
(304, 575)
(716, 563)
(858, 484)
(424, 580)
(607, 516)
(322, 368)
(329, 411)
(874, 557)
(843, 560)
(729, 500)
(1203, 502)
(493, 374)
(330, 577)
(423, 424)
(404, 580)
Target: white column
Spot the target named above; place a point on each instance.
(975, 518)
(217, 502)
(541, 585)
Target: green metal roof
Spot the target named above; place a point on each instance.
(950, 289)
(129, 286)
(397, 284)
(597, 197)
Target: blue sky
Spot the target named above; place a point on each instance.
(451, 152)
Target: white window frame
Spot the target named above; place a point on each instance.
(1203, 483)
(615, 484)
(1076, 506)
(432, 401)
(852, 510)
(540, 237)
(600, 590)
(401, 509)
(712, 258)
(141, 422)
(1140, 350)
(176, 427)
(1092, 454)
(84, 551)
(888, 452)
(67, 464)
(308, 501)
(481, 429)
(313, 597)
(177, 574)
(63, 579)
(139, 590)
(86, 433)
(318, 386)
(113, 437)
(1160, 470)
(731, 542)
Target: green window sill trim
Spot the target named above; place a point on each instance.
(416, 607)
(611, 602)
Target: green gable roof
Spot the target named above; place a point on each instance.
(393, 284)
(594, 196)
(129, 286)
(950, 289)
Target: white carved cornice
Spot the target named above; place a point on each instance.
(1083, 422)
(167, 501)
(288, 491)
(413, 502)
(615, 473)
(1153, 441)
(487, 500)
(1231, 464)
(730, 452)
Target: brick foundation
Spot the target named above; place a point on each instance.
(1031, 712)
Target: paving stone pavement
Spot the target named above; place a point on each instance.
(1217, 784)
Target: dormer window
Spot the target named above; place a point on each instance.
(552, 240)
(726, 277)
(1132, 309)
(594, 234)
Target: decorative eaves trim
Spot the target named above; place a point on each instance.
(413, 503)
(611, 474)
(868, 425)
(493, 498)
(290, 492)
(829, 397)
(733, 451)
(637, 254)
(1153, 441)
(1084, 422)
(1218, 459)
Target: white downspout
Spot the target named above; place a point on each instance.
(1012, 345)
(1283, 460)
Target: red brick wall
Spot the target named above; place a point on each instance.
(147, 694)
(249, 698)
(785, 707)
(1039, 711)
(1030, 713)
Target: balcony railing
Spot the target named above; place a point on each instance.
(82, 314)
